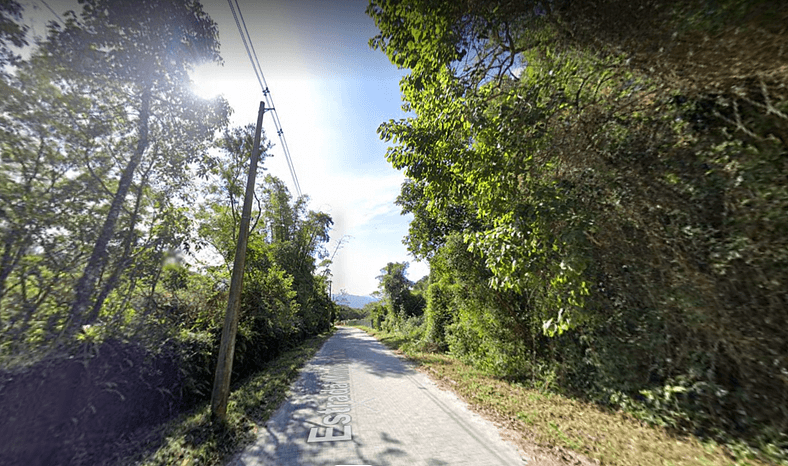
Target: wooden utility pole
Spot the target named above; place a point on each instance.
(224, 366)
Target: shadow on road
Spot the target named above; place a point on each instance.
(383, 436)
(361, 349)
(372, 355)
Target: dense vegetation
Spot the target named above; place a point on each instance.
(115, 180)
(600, 189)
(401, 299)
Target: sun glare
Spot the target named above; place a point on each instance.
(206, 80)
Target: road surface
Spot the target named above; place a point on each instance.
(357, 403)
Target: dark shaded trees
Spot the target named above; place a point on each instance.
(617, 189)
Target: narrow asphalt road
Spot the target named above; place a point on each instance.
(357, 403)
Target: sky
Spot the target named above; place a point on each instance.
(331, 92)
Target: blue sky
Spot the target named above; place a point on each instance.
(331, 92)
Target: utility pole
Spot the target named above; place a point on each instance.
(224, 366)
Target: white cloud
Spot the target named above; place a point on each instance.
(331, 93)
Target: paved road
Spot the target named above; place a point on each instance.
(357, 403)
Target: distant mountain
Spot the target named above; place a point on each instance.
(356, 302)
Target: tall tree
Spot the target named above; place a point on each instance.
(606, 156)
(219, 218)
(396, 289)
(53, 181)
(298, 237)
(142, 52)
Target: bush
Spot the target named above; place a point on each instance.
(619, 179)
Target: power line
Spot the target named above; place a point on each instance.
(243, 38)
(258, 71)
(52, 11)
(270, 102)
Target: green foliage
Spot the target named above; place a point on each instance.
(285, 242)
(483, 326)
(98, 130)
(399, 300)
(100, 141)
(346, 312)
(438, 313)
(377, 311)
(602, 198)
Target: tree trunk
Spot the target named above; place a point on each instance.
(124, 261)
(86, 286)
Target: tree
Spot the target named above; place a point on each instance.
(54, 180)
(142, 52)
(219, 218)
(298, 238)
(595, 158)
(376, 310)
(396, 290)
(285, 236)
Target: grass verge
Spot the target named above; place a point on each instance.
(191, 440)
(558, 423)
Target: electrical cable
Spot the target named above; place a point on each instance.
(270, 102)
(53, 11)
(244, 32)
(243, 39)
(258, 70)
